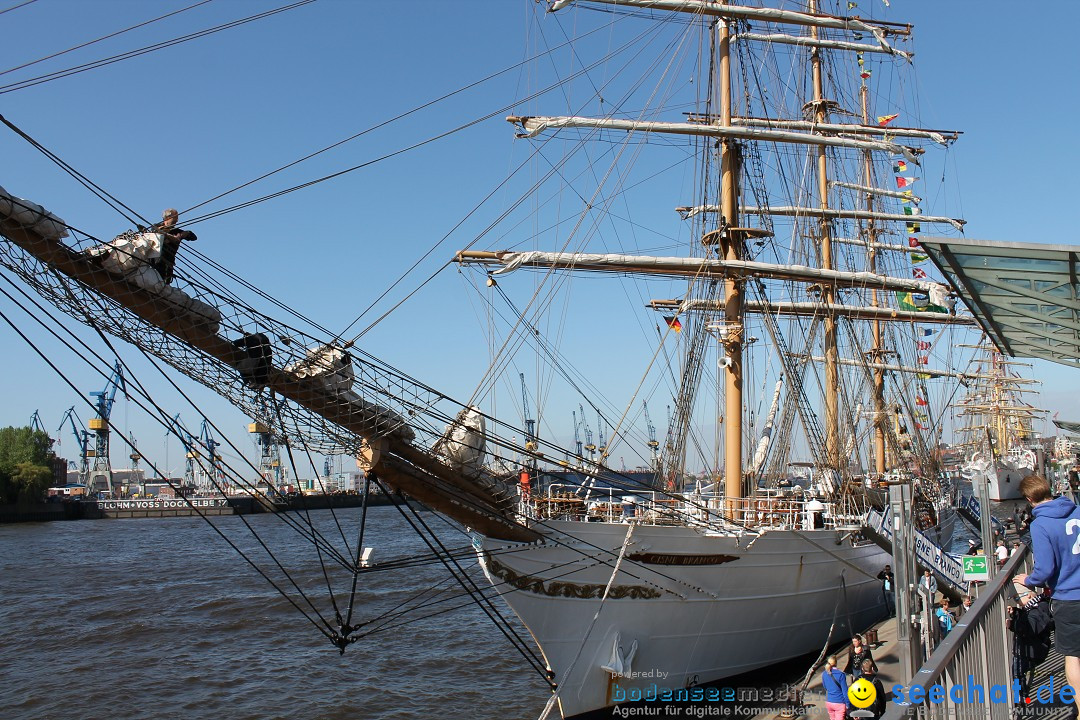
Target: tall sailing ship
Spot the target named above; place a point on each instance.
(797, 294)
(998, 424)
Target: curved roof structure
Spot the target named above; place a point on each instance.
(1024, 295)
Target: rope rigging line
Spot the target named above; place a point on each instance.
(100, 39)
(95, 189)
(283, 570)
(266, 548)
(347, 622)
(468, 585)
(832, 629)
(31, 82)
(159, 413)
(307, 515)
(508, 588)
(464, 126)
(603, 598)
(202, 515)
(384, 123)
(559, 366)
(17, 6)
(67, 294)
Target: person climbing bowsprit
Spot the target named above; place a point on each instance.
(173, 236)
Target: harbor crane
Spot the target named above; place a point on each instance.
(530, 423)
(82, 440)
(136, 457)
(590, 446)
(101, 478)
(601, 446)
(213, 471)
(577, 438)
(331, 476)
(176, 427)
(35, 424)
(270, 443)
(654, 444)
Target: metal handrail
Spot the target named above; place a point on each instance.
(650, 507)
(978, 650)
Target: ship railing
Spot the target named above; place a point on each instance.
(973, 662)
(768, 511)
(567, 501)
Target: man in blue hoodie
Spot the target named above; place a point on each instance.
(1055, 543)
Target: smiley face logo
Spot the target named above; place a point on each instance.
(862, 693)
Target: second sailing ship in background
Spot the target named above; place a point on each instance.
(998, 425)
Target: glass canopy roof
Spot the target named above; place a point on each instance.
(1024, 295)
(1072, 427)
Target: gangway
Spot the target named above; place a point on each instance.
(976, 653)
(947, 567)
(969, 509)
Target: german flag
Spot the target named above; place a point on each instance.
(673, 323)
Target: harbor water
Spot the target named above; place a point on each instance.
(161, 618)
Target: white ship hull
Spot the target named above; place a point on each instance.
(1005, 480)
(746, 604)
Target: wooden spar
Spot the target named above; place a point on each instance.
(877, 245)
(534, 125)
(831, 389)
(733, 291)
(805, 41)
(829, 214)
(907, 369)
(814, 309)
(942, 137)
(871, 190)
(878, 350)
(690, 267)
(773, 15)
(431, 482)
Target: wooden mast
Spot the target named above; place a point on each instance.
(729, 245)
(877, 352)
(832, 373)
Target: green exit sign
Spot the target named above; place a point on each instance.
(976, 568)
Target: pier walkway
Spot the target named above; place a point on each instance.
(977, 651)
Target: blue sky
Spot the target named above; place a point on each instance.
(178, 126)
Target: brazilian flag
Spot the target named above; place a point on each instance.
(917, 302)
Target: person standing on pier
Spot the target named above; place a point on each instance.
(888, 585)
(835, 684)
(858, 653)
(1055, 533)
(945, 617)
(880, 704)
(1001, 552)
(928, 587)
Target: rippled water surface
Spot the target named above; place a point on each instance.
(161, 618)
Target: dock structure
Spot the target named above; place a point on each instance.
(974, 657)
